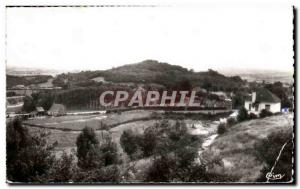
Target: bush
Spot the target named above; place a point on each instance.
(161, 169)
(87, 149)
(243, 114)
(129, 142)
(109, 151)
(63, 169)
(29, 158)
(221, 128)
(265, 113)
(177, 167)
(149, 141)
(230, 122)
(252, 116)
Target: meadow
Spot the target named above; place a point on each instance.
(78, 122)
(65, 130)
(236, 148)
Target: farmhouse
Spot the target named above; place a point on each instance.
(262, 99)
(40, 110)
(57, 110)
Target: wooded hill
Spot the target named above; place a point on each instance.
(151, 71)
(26, 80)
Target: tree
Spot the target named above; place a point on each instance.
(221, 128)
(109, 151)
(265, 113)
(243, 114)
(149, 141)
(279, 90)
(88, 153)
(161, 169)
(185, 85)
(29, 158)
(207, 84)
(129, 142)
(238, 100)
(46, 101)
(28, 105)
(63, 169)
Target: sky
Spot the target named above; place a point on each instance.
(195, 37)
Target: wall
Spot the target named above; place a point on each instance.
(275, 107)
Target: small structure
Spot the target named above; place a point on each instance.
(228, 103)
(262, 99)
(40, 111)
(57, 110)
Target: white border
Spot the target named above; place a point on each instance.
(106, 2)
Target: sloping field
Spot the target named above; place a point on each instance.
(236, 149)
(78, 122)
(66, 140)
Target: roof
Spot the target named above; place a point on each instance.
(264, 95)
(57, 107)
(40, 109)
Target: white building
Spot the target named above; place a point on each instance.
(262, 99)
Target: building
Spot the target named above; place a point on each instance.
(40, 111)
(262, 99)
(228, 103)
(57, 110)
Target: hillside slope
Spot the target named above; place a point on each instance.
(237, 147)
(152, 71)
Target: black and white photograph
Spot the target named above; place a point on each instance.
(150, 94)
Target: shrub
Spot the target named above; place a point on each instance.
(87, 149)
(221, 128)
(29, 157)
(243, 114)
(161, 169)
(252, 116)
(230, 122)
(265, 113)
(129, 142)
(63, 169)
(149, 141)
(109, 151)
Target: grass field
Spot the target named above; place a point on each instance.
(236, 147)
(78, 122)
(67, 139)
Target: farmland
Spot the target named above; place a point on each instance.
(78, 122)
(64, 130)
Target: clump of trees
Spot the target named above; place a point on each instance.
(160, 138)
(31, 159)
(282, 92)
(97, 160)
(174, 151)
(42, 99)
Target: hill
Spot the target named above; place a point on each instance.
(236, 151)
(151, 71)
(12, 80)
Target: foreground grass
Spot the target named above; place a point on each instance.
(233, 153)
